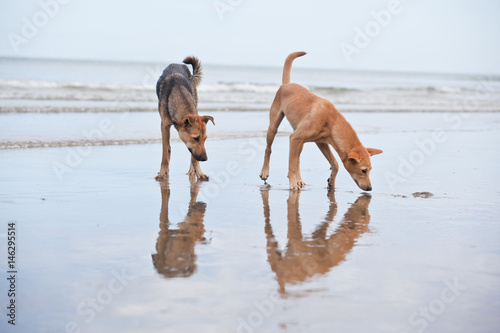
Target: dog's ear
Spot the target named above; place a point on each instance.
(207, 118)
(373, 151)
(189, 120)
(354, 156)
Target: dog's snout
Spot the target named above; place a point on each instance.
(368, 188)
(201, 158)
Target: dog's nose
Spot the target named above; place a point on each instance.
(368, 188)
(201, 158)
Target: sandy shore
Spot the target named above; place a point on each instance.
(103, 247)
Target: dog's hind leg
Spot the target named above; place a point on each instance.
(165, 161)
(334, 166)
(195, 170)
(275, 118)
(296, 145)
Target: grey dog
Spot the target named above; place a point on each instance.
(177, 104)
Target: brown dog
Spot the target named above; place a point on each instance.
(315, 119)
(177, 104)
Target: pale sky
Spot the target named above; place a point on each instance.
(457, 36)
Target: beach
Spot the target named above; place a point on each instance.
(103, 247)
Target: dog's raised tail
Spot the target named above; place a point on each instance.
(288, 65)
(197, 69)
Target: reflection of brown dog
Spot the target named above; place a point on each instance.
(315, 119)
(175, 247)
(177, 103)
(305, 257)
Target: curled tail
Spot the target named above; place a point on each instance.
(288, 65)
(197, 69)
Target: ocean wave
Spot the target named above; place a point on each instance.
(393, 90)
(32, 89)
(332, 90)
(238, 87)
(115, 87)
(445, 89)
(38, 107)
(71, 85)
(73, 91)
(30, 96)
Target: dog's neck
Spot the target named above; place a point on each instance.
(176, 116)
(342, 146)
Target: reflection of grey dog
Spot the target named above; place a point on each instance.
(307, 256)
(175, 255)
(177, 104)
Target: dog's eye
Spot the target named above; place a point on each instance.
(197, 139)
(363, 171)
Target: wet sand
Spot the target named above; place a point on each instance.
(103, 247)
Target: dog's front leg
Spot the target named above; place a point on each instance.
(335, 169)
(165, 160)
(296, 145)
(195, 170)
(334, 166)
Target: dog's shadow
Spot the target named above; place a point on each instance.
(304, 257)
(175, 248)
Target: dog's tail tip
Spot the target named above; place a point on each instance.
(288, 65)
(297, 54)
(197, 68)
(190, 60)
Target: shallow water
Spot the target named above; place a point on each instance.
(106, 248)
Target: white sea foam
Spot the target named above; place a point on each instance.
(238, 87)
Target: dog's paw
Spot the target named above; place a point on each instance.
(162, 175)
(264, 175)
(331, 180)
(203, 177)
(297, 186)
(199, 175)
